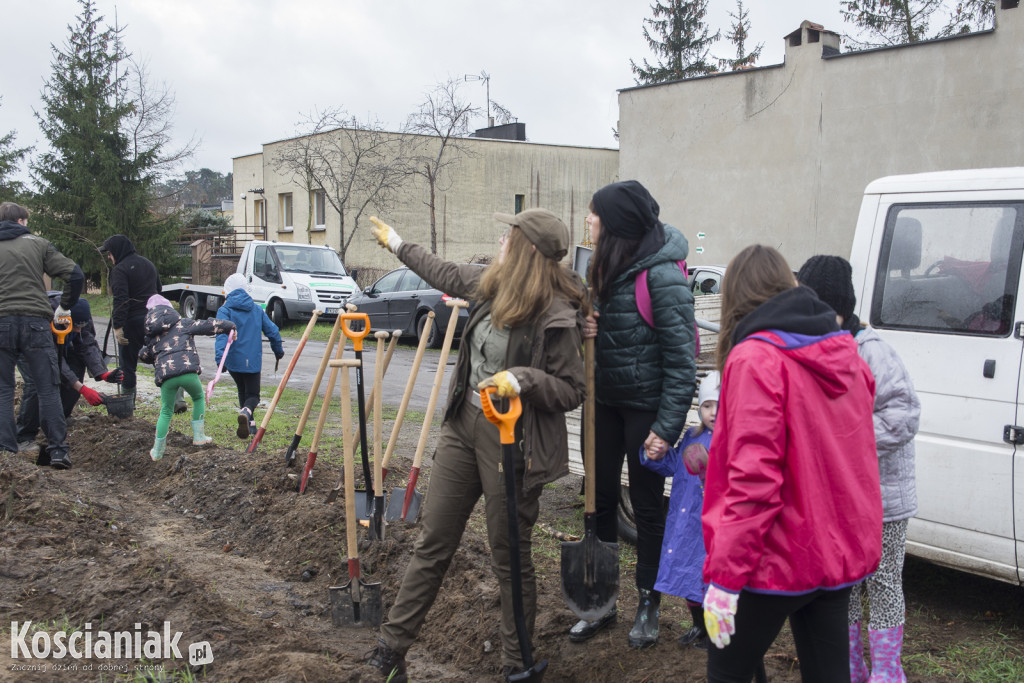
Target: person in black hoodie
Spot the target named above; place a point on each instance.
(132, 281)
(25, 318)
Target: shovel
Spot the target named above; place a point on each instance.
(590, 567)
(395, 336)
(284, 381)
(220, 368)
(411, 498)
(366, 509)
(324, 408)
(356, 603)
(394, 510)
(377, 521)
(289, 455)
(506, 423)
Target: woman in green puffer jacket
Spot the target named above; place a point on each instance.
(645, 376)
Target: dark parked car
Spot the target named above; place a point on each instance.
(400, 300)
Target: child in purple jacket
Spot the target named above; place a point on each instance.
(682, 551)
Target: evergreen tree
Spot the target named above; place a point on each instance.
(888, 22)
(971, 15)
(95, 180)
(680, 41)
(738, 35)
(10, 158)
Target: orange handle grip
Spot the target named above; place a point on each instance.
(61, 334)
(506, 421)
(356, 337)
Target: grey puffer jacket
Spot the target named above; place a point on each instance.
(897, 415)
(647, 368)
(169, 345)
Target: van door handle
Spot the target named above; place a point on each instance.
(989, 370)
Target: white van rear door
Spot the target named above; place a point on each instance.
(945, 296)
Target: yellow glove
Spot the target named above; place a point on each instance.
(508, 385)
(385, 234)
(120, 336)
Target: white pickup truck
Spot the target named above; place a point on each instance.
(288, 280)
(937, 270)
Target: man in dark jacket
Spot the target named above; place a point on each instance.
(81, 353)
(25, 318)
(132, 281)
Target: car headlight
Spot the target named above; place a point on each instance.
(304, 293)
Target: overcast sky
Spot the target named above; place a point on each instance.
(245, 73)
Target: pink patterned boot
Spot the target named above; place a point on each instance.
(858, 669)
(886, 646)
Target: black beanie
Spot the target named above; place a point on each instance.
(626, 209)
(831, 278)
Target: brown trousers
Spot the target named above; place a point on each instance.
(466, 465)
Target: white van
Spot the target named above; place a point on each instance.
(937, 266)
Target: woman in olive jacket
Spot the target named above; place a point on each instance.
(524, 337)
(645, 376)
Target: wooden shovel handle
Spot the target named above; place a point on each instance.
(442, 361)
(356, 337)
(409, 385)
(319, 376)
(378, 408)
(506, 421)
(326, 405)
(288, 371)
(387, 362)
(589, 437)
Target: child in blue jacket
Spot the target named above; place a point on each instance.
(245, 357)
(682, 551)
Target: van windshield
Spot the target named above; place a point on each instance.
(311, 260)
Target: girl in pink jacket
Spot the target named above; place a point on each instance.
(792, 509)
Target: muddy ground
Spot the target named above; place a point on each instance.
(217, 543)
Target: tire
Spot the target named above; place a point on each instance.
(276, 313)
(190, 306)
(434, 341)
(627, 521)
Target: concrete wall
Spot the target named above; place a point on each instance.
(780, 155)
(488, 178)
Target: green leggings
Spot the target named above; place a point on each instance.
(191, 384)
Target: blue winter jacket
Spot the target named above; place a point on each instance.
(680, 571)
(246, 352)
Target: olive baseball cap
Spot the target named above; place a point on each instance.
(545, 230)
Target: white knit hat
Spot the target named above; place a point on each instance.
(234, 281)
(709, 388)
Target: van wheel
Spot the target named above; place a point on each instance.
(189, 306)
(627, 521)
(434, 341)
(277, 314)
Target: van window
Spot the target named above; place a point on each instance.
(949, 268)
(263, 265)
(310, 260)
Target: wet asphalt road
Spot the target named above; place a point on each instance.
(308, 363)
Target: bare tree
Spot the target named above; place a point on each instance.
(356, 164)
(296, 158)
(443, 118)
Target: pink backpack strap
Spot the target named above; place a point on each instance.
(643, 302)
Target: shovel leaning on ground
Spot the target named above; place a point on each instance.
(506, 423)
(357, 337)
(324, 409)
(289, 455)
(590, 567)
(284, 381)
(377, 520)
(410, 497)
(394, 510)
(356, 603)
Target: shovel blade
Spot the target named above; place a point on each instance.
(590, 576)
(364, 505)
(396, 501)
(535, 674)
(357, 604)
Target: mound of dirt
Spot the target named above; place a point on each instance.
(218, 544)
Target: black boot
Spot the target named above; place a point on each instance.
(698, 631)
(585, 630)
(390, 664)
(59, 459)
(645, 628)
